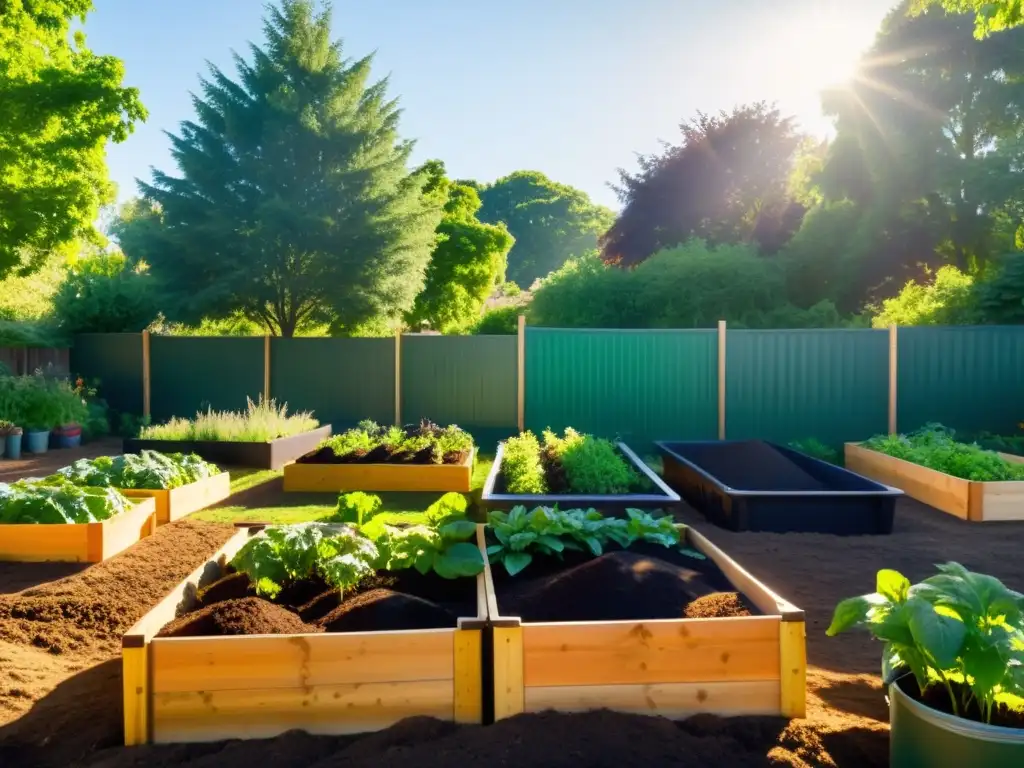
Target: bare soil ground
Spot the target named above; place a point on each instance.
(60, 687)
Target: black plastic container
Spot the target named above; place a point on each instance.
(753, 485)
(661, 497)
(272, 455)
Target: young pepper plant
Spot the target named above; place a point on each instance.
(958, 629)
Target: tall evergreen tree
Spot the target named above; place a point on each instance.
(295, 203)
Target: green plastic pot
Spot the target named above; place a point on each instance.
(922, 737)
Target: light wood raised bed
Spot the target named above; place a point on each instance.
(750, 665)
(78, 542)
(177, 503)
(194, 689)
(966, 499)
(381, 477)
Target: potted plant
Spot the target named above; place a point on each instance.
(12, 442)
(41, 410)
(953, 662)
(5, 429)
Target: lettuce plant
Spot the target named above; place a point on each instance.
(148, 470)
(960, 630)
(520, 534)
(281, 555)
(58, 501)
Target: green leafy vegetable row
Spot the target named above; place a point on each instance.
(519, 535)
(960, 630)
(149, 470)
(934, 447)
(373, 442)
(571, 463)
(58, 502)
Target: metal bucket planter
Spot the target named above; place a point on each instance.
(37, 441)
(923, 737)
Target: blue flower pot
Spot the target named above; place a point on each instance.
(70, 441)
(37, 442)
(13, 443)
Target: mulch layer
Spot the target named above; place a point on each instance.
(78, 722)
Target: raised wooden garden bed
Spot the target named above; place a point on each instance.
(272, 455)
(192, 689)
(495, 497)
(177, 503)
(744, 665)
(966, 499)
(78, 543)
(398, 476)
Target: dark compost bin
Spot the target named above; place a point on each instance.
(752, 485)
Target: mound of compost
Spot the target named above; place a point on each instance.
(624, 585)
(382, 602)
(248, 616)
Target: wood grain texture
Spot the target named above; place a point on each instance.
(122, 531)
(1001, 501)
(468, 679)
(253, 713)
(439, 478)
(180, 502)
(666, 651)
(672, 700)
(508, 672)
(299, 661)
(937, 489)
(793, 668)
(135, 685)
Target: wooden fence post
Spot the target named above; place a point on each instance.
(521, 374)
(266, 368)
(398, 377)
(145, 375)
(893, 383)
(721, 379)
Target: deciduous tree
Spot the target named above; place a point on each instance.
(990, 15)
(59, 106)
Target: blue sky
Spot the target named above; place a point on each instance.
(572, 88)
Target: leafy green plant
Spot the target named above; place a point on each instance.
(358, 507)
(58, 502)
(816, 449)
(934, 446)
(594, 466)
(260, 422)
(960, 630)
(447, 445)
(149, 470)
(521, 466)
(520, 534)
(281, 555)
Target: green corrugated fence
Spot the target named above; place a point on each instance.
(115, 359)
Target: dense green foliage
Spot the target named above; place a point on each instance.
(690, 286)
(148, 470)
(59, 106)
(551, 222)
(516, 536)
(958, 629)
(949, 299)
(294, 204)
(104, 294)
(468, 261)
(374, 443)
(41, 402)
(260, 422)
(503, 321)
(934, 447)
(521, 467)
(444, 544)
(282, 555)
(591, 464)
(990, 15)
(57, 502)
(816, 450)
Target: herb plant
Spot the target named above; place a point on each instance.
(439, 445)
(593, 466)
(521, 466)
(260, 422)
(281, 555)
(934, 447)
(520, 534)
(816, 449)
(26, 502)
(148, 470)
(960, 630)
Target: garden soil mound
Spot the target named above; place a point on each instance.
(383, 609)
(248, 616)
(615, 586)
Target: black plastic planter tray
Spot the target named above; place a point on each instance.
(495, 497)
(272, 455)
(753, 485)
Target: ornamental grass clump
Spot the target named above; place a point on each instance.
(260, 422)
(934, 447)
